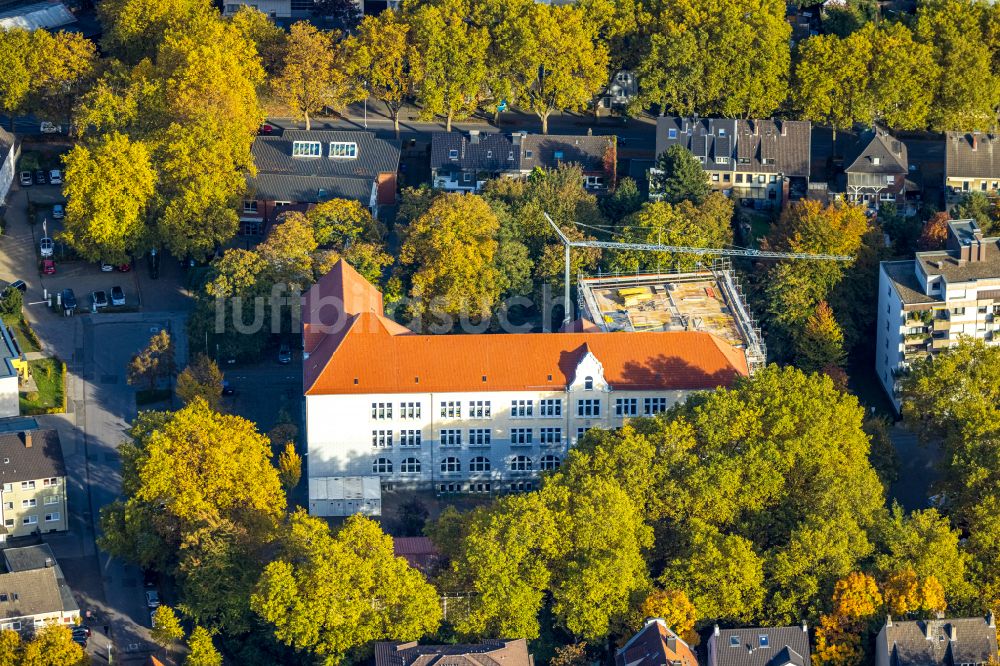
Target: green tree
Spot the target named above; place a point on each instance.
(625, 200)
(268, 38)
(53, 645)
(384, 61)
(821, 344)
(65, 63)
(201, 379)
(18, 72)
(451, 250)
(830, 85)
(451, 72)
(106, 217)
(167, 628)
(202, 650)
(338, 223)
(678, 177)
(289, 466)
(154, 363)
(134, 28)
(979, 207)
(288, 251)
(314, 74)
(328, 593)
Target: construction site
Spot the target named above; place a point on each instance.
(707, 300)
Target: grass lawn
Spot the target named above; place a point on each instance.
(22, 332)
(760, 225)
(49, 376)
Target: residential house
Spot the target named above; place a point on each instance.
(299, 167)
(927, 303)
(764, 163)
(759, 646)
(655, 645)
(971, 163)
(13, 371)
(477, 413)
(966, 641)
(41, 558)
(622, 89)
(878, 171)
(32, 483)
(47, 15)
(461, 163)
(33, 598)
(492, 651)
(276, 9)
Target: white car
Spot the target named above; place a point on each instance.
(46, 247)
(50, 128)
(55, 177)
(152, 598)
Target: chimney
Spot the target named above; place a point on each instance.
(990, 620)
(975, 142)
(49, 563)
(672, 643)
(888, 620)
(784, 128)
(27, 439)
(473, 136)
(715, 630)
(805, 626)
(952, 633)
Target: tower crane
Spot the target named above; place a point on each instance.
(680, 249)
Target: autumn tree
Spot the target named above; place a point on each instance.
(18, 72)
(201, 379)
(339, 223)
(314, 74)
(106, 217)
(678, 176)
(201, 649)
(821, 343)
(318, 593)
(451, 251)
(287, 252)
(289, 466)
(674, 608)
(65, 64)
(269, 39)
(934, 234)
(133, 29)
(167, 628)
(154, 363)
(10, 644)
(53, 645)
(384, 61)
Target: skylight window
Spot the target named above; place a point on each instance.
(306, 149)
(453, 154)
(671, 133)
(763, 640)
(559, 154)
(734, 641)
(343, 150)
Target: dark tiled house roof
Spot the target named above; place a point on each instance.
(490, 152)
(32, 592)
(42, 460)
(878, 152)
(972, 155)
(283, 177)
(757, 146)
(947, 642)
(655, 645)
(551, 150)
(30, 558)
(760, 646)
(488, 653)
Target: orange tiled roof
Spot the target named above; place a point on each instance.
(371, 354)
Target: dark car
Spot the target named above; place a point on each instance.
(40, 177)
(19, 285)
(99, 299)
(81, 630)
(227, 388)
(284, 353)
(68, 300)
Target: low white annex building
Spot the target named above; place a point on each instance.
(476, 413)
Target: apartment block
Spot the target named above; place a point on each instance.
(477, 413)
(32, 484)
(930, 302)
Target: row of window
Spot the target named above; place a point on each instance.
(383, 439)
(30, 485)
(53, 517)
(344, 150)
(482, 409)
(29, 503)
(486, 487)
(452, 465)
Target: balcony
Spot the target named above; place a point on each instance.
(937, 344)
(942, 325)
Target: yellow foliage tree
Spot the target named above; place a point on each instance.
(837, 644)
(856, 598)
(674, 608)
(902, 592)
(932, 595)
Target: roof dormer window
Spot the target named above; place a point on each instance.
(452, 154)
(671, 133)
(876, 160)
(722, 132)
(734, 641)
(343, 150)
(307, 149)
(489, 154)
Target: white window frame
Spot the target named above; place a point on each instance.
(521, 436)
(522, 409)
(588, 407)
(451, 465)
(409, 410)
(410, 438)
(30, 520)
(479, 409)
(549, 462)
(381, 439)
(382, 465)
(29, 503)
(53, 517)
(550, 407)
(343, 150)
(521, 464)
(410, 466)
(480, 464)
(654, 405)
(550, 436)
(307, 149)
(480, 436)
(451, 409)
(451, 437)
(626, 406)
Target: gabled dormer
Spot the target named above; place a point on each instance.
(589, 375)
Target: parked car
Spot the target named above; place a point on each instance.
(284, 353)
(100, 299)
(117, 295)
(46, 247)
(266, 129)
(58, 211)
(81, 640)
(106, 267)
(124, 268)
(49, 128)
(39, 177)
(82, 630)
(55, 177)
(68, 300)
(48, 267)
(150, 579)
(152, 618)
(227, 388)
(152, 598)
(26, 180)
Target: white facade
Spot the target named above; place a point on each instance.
(467, 441)
(273, 8)
(9, 405)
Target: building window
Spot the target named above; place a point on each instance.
(27, 485)
(452, 154)
(381, 439)
(479, 464)
(550, 407)
(654, 405)
(734, 641)
(480, 487)
(626, 406)
(954, 311)
(409, 438)
(510, 156)
(8, 487)
(410, 466)
(521, 436)
(451, 437)
(30, 520)
(594, 181)
(479, 409)
(760, 178)
(489, 154)
(343, 150)
(409, 410)
(8, 506)
(890, 180)
(671, 133)
(382, 466)
(588, 408)
(451, 409)
(479, 437)
(381, 410)
(549, 462)
(54, 481)
(521, 487)
(450, 465)
(580, 432)
(249, 206)
(306, 149)
(521, 408)
(52, 517)
(13, 626)
(450, 488)
(726, 178)
(715, 177)
(520, 464)
(9, 522)
(28, 503)
(551, 436)
(467, 176)
(721, 159)
(739, 178)
(588, 384)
